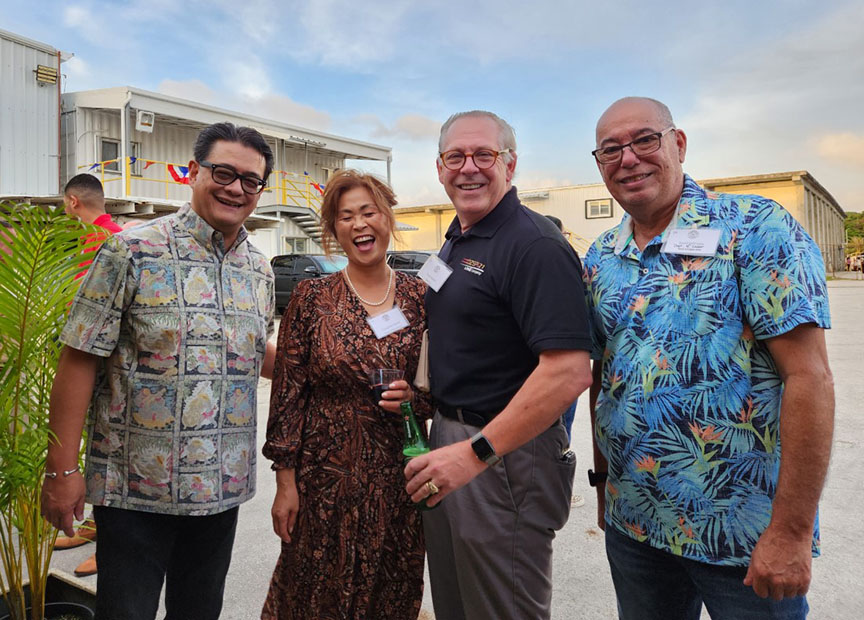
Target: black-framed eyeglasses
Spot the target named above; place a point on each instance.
(224, 174)
(483, 159)
(643, 145)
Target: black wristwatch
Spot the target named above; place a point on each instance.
(597, 478)
(484, 450)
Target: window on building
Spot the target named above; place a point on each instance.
(110, 150)
(296, 245)
(598, 208)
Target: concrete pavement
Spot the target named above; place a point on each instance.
(583, 589)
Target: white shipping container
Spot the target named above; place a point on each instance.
(29, 118)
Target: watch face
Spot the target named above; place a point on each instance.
(483, 449)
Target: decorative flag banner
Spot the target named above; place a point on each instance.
(320, 188)
(148, 163)
(93, 167)
(180, 174)
(132, 160)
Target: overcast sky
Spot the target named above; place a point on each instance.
(759, 87)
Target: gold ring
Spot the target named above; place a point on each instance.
(431, 487)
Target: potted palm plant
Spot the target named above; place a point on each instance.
(38, 250)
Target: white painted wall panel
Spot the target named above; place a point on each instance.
(568, 204)
(29, 117)
(86, 128)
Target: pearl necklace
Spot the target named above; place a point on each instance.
(370, 303)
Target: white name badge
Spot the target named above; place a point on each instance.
(388, 322)
(435, 272)
(692, 241)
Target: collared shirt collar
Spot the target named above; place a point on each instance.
(683, 216)
(203, 233)
(491, 222)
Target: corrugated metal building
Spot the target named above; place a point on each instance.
(139, 144)
(29, 122)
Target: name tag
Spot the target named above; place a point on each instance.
(435, 272)
(388, 322)
(692, 241)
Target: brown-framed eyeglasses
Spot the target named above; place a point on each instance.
(483, 158)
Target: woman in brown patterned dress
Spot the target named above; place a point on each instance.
(352, 543)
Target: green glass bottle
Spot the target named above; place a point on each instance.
(415, 443)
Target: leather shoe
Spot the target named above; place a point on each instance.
(85, 533)
(87, 567)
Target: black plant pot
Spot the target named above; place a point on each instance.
(64, 611)
(63, 601)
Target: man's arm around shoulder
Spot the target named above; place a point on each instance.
(63, 496)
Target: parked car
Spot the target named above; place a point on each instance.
(290, 269)
(408, 261)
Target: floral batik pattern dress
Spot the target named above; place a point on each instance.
(357, 546)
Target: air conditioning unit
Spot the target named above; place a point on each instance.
(144, 121)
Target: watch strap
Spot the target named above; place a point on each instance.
(595, 478)
(484, 450)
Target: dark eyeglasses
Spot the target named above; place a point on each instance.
(226, 175)
(644, 145)
(483, 159)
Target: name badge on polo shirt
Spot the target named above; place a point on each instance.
(435, 272)
(692, 241)
(388, 322)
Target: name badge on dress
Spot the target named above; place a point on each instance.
(692, 241)
(435, 272)
(388, 322)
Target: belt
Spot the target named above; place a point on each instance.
(465, 416)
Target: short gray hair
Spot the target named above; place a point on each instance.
(506, 134)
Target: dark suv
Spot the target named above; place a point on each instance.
(289, 269)
(408, 261)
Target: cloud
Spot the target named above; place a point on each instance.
(783, 104)
(270, 106)
(346, 33)
(414, 127)
(537, 179)
(247, 76)
(77, 68)
(842, 148)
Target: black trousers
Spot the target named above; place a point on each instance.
(138, 551)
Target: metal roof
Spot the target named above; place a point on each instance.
(198, 115)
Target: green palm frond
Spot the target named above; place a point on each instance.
(40, 249)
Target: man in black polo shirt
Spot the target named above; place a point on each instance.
(509, 343)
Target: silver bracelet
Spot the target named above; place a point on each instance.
(66, 472)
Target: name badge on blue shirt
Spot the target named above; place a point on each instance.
(692, 241)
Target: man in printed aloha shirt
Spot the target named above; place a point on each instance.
(165, 342)
(708, 311)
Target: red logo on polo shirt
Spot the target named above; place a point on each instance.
(472, 266)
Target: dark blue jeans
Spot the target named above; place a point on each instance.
(137, 551)
(567, 418)
(651, 584)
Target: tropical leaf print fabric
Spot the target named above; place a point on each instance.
(183, 323)
(688, 412)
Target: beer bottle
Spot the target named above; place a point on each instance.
(415, 443)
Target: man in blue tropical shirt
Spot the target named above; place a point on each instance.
(708, 311)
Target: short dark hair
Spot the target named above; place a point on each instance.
(84, 183)
(556, 221)
(231, 133)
